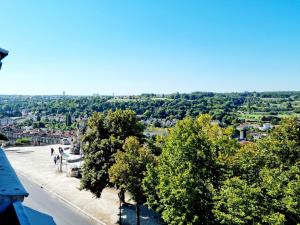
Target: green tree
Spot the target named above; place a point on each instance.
(128, 170)
(123, 123)
(104, 136)
(272, 199)
(68, 120)
(264, 186)
(38, 124)
(188, 171)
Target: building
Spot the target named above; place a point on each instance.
(12, 193)
(243, 131)
(6, 121)
(266, 127)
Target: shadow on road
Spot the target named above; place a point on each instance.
(24, 152)
(18, 151)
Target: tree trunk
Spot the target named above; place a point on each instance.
(120, 207)
(137, 214)
(122, 196)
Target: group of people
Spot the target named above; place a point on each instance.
(57, 157)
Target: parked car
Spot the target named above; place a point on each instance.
(65, 141)
(74, 171)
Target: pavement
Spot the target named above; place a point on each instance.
(36, 164)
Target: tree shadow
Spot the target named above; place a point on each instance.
(24, 152)
(147, 216)
(19, 151)
(11, 150)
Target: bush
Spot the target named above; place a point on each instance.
(23, 141)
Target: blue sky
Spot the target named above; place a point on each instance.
(143, 46)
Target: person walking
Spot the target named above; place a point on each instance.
(52, 151)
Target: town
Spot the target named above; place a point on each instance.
(40, 120)
(150, 112)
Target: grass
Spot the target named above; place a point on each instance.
(137, 99)
(257, 115)
(123, 100)
(156, 130)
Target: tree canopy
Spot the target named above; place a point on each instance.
(105, 135)
(129, 169)
(188, 170)
(265, 184)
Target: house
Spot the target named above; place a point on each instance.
(6, 121)
(28, 128)
(24, 112)
(266, 127)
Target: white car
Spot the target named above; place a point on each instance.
(65, 141)
(73, 171)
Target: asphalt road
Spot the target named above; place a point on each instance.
(44, 202)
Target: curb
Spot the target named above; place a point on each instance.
(61, 198)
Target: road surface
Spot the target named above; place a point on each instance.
(42, 201)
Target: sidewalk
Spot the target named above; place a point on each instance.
(37, 164)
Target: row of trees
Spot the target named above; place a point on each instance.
(197, 173)
(223, 107)
(161, 108)
(205, 177)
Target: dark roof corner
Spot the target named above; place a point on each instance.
(3, 54)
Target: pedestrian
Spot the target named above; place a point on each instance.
(52, 151)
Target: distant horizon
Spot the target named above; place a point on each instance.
(115, 95)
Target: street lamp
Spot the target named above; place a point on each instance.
(3, 53)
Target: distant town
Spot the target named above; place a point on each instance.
(39, 120)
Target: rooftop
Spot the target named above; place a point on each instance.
(3, 53)
(28, 216)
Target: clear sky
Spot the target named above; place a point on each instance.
(142, 46)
